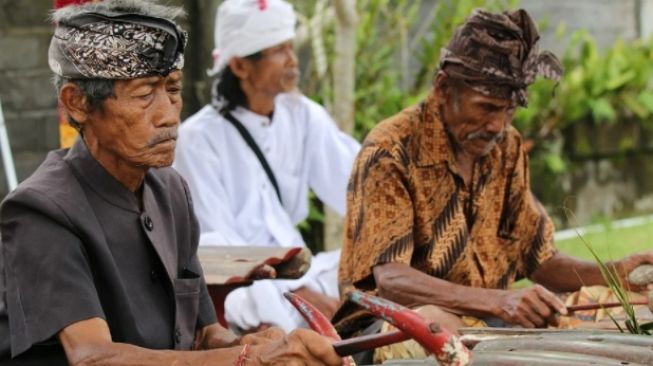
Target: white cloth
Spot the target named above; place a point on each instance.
(263, 301)
(244, 27)
(237, 205)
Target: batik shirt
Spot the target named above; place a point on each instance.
(407, 203)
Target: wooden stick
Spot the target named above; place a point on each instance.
(363, 343)
(575, 308)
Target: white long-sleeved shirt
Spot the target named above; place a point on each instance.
(234, 200)
(237, 205)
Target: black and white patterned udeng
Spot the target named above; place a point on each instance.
(120, 47)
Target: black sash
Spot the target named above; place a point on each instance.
(252, 145)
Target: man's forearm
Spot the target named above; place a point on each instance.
(564, 273)
(121, 354)
(88, 343)
(410, 287)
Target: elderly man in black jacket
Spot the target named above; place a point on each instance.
(100, 243)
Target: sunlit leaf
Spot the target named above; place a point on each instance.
(555, 163)
(602, 110)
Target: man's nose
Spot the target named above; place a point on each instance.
(169, 108)
(498, 123)
(292, 57)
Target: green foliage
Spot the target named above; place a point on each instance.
(379, 77)
(598, 244)
(398, 49)
(598, 88)
(607, 241)
(612, 278)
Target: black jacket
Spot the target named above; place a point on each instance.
(78, 245)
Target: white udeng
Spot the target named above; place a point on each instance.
(244, 27)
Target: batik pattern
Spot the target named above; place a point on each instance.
(498, 55)
(112, 50)
(408, 204)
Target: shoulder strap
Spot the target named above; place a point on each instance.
(252, 145)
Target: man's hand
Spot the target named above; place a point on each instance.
(214, 336)
(88, 342)
(263, 337)
(325, 304)
(533, 307)
(301, 347)
(624, 266)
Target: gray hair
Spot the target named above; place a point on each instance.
(96, 92)
(455, 87)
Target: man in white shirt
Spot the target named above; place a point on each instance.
(240, 201)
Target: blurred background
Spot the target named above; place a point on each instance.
(590, 138)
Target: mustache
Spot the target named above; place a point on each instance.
(165, 135)
(486, 136)
(292, 73)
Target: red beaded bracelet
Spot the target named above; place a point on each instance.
(243, 356)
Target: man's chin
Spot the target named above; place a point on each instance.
(157, 165)
(290, 85)
(488, 149)
(161, 161)
(290, 89)
(480, 151)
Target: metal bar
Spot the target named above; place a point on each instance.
(473, 336)
(579, 345)
(542, 358)
(519, 331)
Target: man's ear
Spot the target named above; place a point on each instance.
(240, 67)
(74, 103)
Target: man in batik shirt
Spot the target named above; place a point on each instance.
(440, 212)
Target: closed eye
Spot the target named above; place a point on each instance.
(145, 96)
(143, 92)
(490, 108)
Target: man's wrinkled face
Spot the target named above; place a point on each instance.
(138, 126)
(475, 122)
(277, 71)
